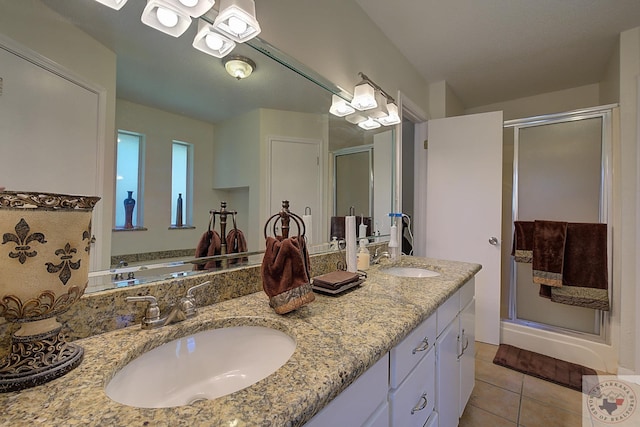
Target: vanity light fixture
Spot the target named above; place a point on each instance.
(237, 20)
(369, 124)
(113, 4)
(166, 17)
(238, 66)
(209, 41)
(195, 8)
(364, 97)
(393, 118)
(381, 110)
(340, 107)
(355, 118)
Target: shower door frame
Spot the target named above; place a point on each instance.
(604, 112)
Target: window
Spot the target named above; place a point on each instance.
(181, 183)
(128, 182)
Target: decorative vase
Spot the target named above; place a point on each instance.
(179, 211)
(129, 204)
(44, 269)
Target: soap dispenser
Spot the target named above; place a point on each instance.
(364, 257)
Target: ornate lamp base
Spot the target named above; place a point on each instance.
(37, 359)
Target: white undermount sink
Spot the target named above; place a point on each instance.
(205, 365)
(410, 272)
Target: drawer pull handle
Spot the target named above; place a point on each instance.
(421, 404)
(422, 347)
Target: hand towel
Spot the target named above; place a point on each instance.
(337, 226)
(351, 243)
(523, 241)
(236, 243)
(285, 273)
(548, 252)
(335, 279)
(585, 274)
(209, 245)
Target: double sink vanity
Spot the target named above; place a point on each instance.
(397, 350)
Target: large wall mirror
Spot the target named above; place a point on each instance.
(254, 141)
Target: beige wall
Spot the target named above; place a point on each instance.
(160, 129)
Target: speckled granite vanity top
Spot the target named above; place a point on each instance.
(337, 337)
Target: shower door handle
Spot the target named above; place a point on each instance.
(493, 241)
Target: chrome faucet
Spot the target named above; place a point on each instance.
(154, 318)
(377, 257)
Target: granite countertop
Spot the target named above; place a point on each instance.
(337, 339)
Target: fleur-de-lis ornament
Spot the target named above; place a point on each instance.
(66, 265)
(22, 239)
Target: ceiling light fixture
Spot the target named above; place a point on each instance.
(113, 4)
(209, 41)
(239, 67)
(355, 118)
(166, 17)
(237, 20)
(369, 124)
(340, 107)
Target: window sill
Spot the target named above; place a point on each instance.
(129, 229)
(184, 227)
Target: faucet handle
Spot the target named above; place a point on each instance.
(188, 303)
(153, 311)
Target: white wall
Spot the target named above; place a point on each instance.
(36, 27)
(160, 129)
(337, 39)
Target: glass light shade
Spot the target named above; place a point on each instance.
(369, 124)
(212, 43)
(239, 66)
(393, 118)
(355, 118)
(237, 20)
(113, 4)
(155, 9)
(340, 107)
(381, 110)
(194, 8)
(364, 97)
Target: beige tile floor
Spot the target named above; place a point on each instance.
(506, 398)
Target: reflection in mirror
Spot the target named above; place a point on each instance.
(254, 141)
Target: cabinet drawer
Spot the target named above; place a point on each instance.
(467, 292)
(411, 350)
(448, 311)
(413, 402)
(357, 402)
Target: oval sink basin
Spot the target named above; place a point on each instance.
(205, 365)
(410, 272)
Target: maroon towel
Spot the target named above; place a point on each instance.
(585, 277)
(285, 273)
(236, 243)
(549, 239)
(522, 249)
(209, 245)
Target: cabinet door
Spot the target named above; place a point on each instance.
(448, 376)
(358, 402)
(468, 351)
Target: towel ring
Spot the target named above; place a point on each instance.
(285, 215)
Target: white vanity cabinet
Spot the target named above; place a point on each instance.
(455, 349)
(412, 377)
(363, 403)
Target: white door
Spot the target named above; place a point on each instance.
(464, 196)
(49, 138)
(295, 176)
